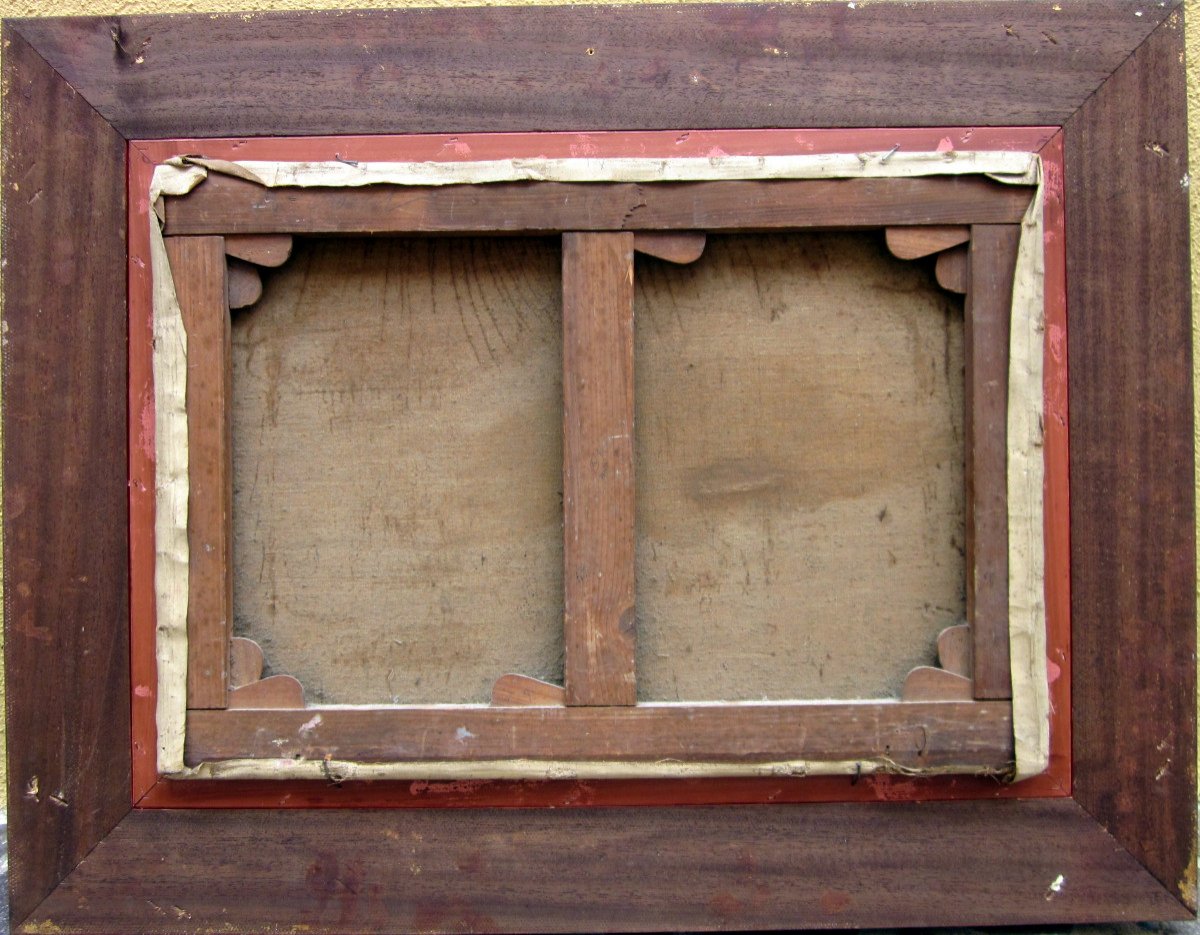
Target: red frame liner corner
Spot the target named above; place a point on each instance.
(151, 791)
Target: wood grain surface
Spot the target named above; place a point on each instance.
(245, 662)
(952, 268)
(243, 284)
(572, 68)
(225, 204)
(521, 691)
(926, 683)
(260, 249)
(1133, 586)
(199, 272)
(599, 623)
(954, 650)
(682, 247)
(991, 264)
(911, 243)
(692, 869)
(275, 691)
(911, 736)
(66, 532)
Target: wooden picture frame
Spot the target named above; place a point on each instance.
(1121, 844)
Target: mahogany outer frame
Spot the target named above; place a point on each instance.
(1123, 841)
(195, 228)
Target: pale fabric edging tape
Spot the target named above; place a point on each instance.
(170, 479)
(1026, 509)
(1027, 611)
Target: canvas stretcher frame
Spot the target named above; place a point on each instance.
(591, 729)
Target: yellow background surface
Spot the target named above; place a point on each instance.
(14, 8)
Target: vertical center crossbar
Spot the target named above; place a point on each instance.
(598, 494)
